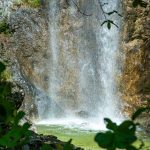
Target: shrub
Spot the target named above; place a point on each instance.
(33, 3)
(4, 27)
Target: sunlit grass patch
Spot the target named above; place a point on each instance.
(33, 3)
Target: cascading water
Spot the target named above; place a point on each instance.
(82, 66)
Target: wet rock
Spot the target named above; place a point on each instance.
(83, 114)
(31, 44)
(135, 78)
(37, 141)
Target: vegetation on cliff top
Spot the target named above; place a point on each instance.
(32, 3)
(4, 27)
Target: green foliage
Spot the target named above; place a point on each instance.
(46, 147)
(135, 3)
(68, 145)
(2, 67)
(16, 136)
(118, 136)
(6, 75)
(33, 3)
(4, 28)
(139, 3)
(6, 111)
(12, 134)
(139, 112)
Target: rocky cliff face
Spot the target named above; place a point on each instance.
(26, 48)
(136, 45)
(30, 43)
(79, 56)
(136, 71)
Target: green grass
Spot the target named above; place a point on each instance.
(28, 3)
(33, 3)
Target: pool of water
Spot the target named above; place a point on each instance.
(82, 138)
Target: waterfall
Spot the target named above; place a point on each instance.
(82, 64)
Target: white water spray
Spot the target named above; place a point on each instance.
(82, 67)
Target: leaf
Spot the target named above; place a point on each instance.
(108, 25)
(110, 125)
(26, 126)
(0, 129)
(109, 22)
(16, 136)
(127, 127)
(2, 67)
(110, 13)
(140, 3)
(6, 111)
(123, 139)
(68, 145)
(112, 23)
(105, 140)
(104, 22)
(130, 147)
(114, 11)
(141, 145)
(135, 3)
(18, 117)
(139, 111)
(5, 89)
(46, 147)
(125, 134)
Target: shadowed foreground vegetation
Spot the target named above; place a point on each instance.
(14, 135)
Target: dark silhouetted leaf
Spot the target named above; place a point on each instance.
(127, 127)
(112, 23)
(114, 11)
(139, 112)
(18, 117)
(2, 67)
(125, 134)
(6, 111)
(105, 140)
(16, 136)
(109, 22)
(110, 125)
(104, 22)
(68, 145)
(108, 25)
(139, 3)
(119, 136)
(5, 89)
(46, 147)
(130, 147)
